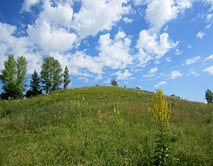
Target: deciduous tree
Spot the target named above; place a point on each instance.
(66, 77)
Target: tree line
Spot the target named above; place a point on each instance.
(13, 77)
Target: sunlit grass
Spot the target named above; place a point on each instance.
(99, 126)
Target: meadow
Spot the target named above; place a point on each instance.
(100, 125)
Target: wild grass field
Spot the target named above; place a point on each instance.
(100, 126)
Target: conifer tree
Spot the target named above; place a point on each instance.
(35, 84)
(66, 77)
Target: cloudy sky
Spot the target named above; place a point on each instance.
(150, 44)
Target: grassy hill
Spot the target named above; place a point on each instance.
(99, 126)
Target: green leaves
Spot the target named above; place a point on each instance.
(66, 77)
(51, 74)
(13, 77)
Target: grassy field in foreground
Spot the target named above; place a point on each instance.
(99, 126)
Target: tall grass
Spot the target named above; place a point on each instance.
(99, 126)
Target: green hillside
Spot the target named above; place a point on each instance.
(99, 126)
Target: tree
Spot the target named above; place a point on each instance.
(51, 74)
(21, 75)
(114, 82)
(66, 77)
(209, 96)
(35, 84)
(13, 77)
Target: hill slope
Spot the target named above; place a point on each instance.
(99, 126)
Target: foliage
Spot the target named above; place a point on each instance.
(66, 77)
(137, 88)
(163, 154)
(35, 84)
(209, 96)
(114, 82)
(51, 74)
(13, 77)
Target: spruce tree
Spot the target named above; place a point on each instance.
(66, 77)
(35, 84)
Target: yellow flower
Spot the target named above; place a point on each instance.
(160, 110)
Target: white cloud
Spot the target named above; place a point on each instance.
(192, 60)
(168, 59)
(127, 20)
(153, 70)
(139, 2)
(175, 74)
(114, 53)
(149, 75)
(51, 31)
(153, 46)
(159, 12)
(209, 70)
(193, 73)
(160, 83)
(84, 79)
(96, 16)
(208, 26)
(178, 52)
(10, 44)
(27, 4)
(209, 17)
(200, 35)
(122, 76)
(208, 58)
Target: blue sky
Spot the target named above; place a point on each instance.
(150, 44)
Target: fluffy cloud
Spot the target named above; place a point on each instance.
(192, 60)
(95, 16)
(10, 44)
(26, 6)
(151, 46)
(127, 20)
(209, 17)
(208, 58)
(51, 31)
(200, 35)
(153, 70)
(209, 70)
(114, 53)
(175, 74)
(193, 73)
(122, 76)
(159, 12)
(160, 83)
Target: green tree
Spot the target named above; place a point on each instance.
(114, 82)
(209, 96)
(13, 77)
(51, 74)
(35, 84)
(21, 75)
(66, 77)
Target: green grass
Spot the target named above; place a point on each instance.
(99, 126)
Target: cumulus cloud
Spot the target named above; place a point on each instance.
(152, 46)
(175, 74)
(209, 17)
(18, 46)
(122, 76)
(153, 70)
(51, 31)
(208, 58)
(114, 53)
(200, 35)
(96, 16)
(127, 20)
(192, 60)
(159, 12)
(160, 83)
(209, 70)
(26, 6)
